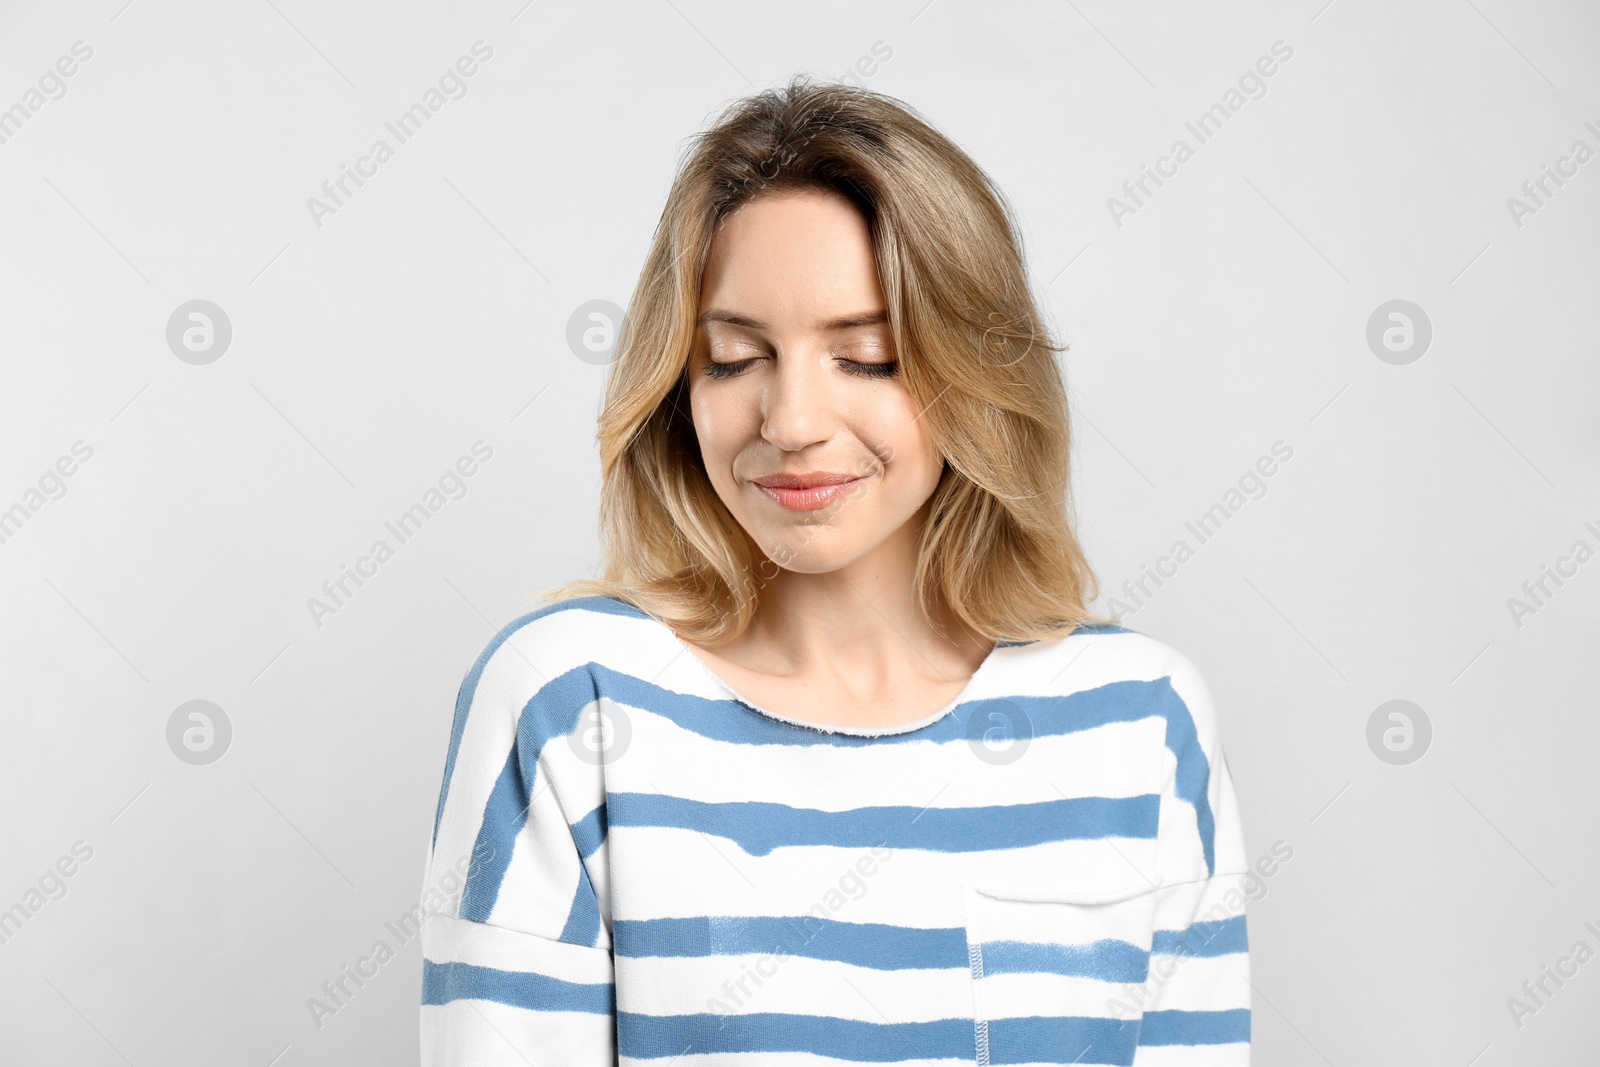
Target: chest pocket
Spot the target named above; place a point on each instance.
(1058, 976)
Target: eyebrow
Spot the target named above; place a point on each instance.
(846, 322)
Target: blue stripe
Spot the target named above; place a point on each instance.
(589, 832)
(1194, 770)
(1195, 1027)
(445, 982)
(851, 1040)
(1102, 628)
(1063, 1039)
(881, 946)
(583, 918)
(1046, 716)
(469, 685)
(758, 827)
(1031, 1039)
(503, 818)
(552, 712)
(1108, 960)
(875, 945)
(1221, 937)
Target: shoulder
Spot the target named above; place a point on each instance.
(553, 640)
(1110, 655)
(1120, 652)
(1183, 690)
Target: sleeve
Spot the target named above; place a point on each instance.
(517, 964)
(1197, 1012)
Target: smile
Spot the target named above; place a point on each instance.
(806, 497)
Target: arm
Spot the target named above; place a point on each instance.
(1198, 1011)
(517, 965)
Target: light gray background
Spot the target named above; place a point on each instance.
(369, 353)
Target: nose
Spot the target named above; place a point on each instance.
(798, 405)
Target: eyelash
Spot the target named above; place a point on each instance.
(865, 370)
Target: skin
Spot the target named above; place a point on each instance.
(838, 637)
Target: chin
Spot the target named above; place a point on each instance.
(812, 563)
(818, 549)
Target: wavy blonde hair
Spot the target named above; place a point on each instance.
(998, 545)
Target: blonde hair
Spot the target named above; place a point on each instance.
(998, 545)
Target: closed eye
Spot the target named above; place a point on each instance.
(726, 370)
(880, 371)
(872, 370)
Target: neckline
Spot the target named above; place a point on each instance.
(852, 731)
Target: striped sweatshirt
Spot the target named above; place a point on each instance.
(633, 865)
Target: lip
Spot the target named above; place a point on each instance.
(807, 480)
(809, 491)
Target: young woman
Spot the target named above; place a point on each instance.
(834, 766)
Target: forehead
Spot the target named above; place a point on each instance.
(792, 257)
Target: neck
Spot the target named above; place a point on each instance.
(860, 614)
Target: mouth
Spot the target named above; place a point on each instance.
(810, 491)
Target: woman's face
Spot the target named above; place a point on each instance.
(794, 374)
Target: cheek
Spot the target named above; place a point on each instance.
(891, 429)
(722, 420)
(710, 414)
